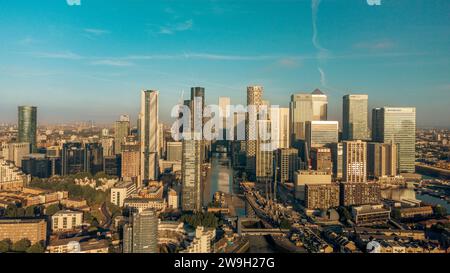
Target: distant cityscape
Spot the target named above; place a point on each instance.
(356, 186)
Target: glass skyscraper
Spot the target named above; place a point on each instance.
(355, 117)
(397, 125)
(28, 126)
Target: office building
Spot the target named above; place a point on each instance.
(306, 107)
(108, 146)
(355, 161)
(321, 160)
(264, 154)
(397, 125)
(28, 126)
(66, 220)
(321, 196)
(382, 159)
(191, 175)
(149, 136)
(112, 165)
(321, 133)
(37, 165)
(355, 123)
(280, 129)
(370, 215)
(141, 234)
(360, 193)
(93, 158)
(72, 159)
(337, 153)
(288, 163)
(174, 151)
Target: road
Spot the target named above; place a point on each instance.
(105, 212)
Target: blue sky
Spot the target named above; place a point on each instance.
(89, 62)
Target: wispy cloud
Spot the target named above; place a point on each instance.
(96, 31)
(67, 55)
(112, 62)
(375, 45)
(178, 27)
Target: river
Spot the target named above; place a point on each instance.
(220, 178)
(409, 193)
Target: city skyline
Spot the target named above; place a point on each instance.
(77, 67)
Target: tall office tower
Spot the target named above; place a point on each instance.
(321, 133)
(282, 138)
(382, 159)
(149, 136)
(254, 97)
(141, 235)
(72, 159)
(355, 161)
(397, 125)
(28, 126)
(355, 118)
(321, 160)
(93, 158)
(306, 107)
(131, 161)
(121, 131)
(108, 146)
(224, 103)
(174, 151)
(337, 153)
(264, 154)
(191, 174)
(197, 106)
(288, 164)
(161, 141)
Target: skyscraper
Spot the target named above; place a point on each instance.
(355, 161)
(321, 133)
(288, 164)
(306, 107)
(355, 117)
(282, 138)
(141, 235)
(382, 159)
(397, 125)
(149, 135)
(28, 126)
(131, 161)
(191, 174)
(121, 131)
(93, 158)
(254, 98)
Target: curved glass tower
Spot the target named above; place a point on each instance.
(28, 125)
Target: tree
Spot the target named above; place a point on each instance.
(30, 211)
(5, 246)
(285, 224)
(52, 209)
(36, 248)
(21, 245)
(440, 211)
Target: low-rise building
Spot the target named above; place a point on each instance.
(370, 214)
(303, 178)
(66, 220)
(202, 242)
(78, 245)
(35, 230)
(141, 204)
(122, 191)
